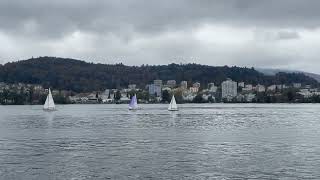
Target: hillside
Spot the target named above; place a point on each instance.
(275, 71)
(80, 76)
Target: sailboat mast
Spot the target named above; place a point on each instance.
(49, 98)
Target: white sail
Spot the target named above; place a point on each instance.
(173, 105)
(49, 104)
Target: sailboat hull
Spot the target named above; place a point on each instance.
(49, 109)
(133, 109)
(172, 109)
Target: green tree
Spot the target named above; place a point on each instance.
(198, 99)
(211, 99)
(118, 95)
(166, 96)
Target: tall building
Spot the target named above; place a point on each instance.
(241, 84)
(196, 85)
(171, 83)
(212, 87)
(184, 84)
(229, 89)
(157, 82)
(155, 90)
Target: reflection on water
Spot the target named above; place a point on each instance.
(219, 141)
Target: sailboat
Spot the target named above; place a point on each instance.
(173, 105)
(133, 105)
(49, 104)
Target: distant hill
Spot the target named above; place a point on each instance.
(80, 76)
(275, 71)
(312, 75)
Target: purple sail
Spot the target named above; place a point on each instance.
(133, 103)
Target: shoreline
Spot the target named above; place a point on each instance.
(152, 103)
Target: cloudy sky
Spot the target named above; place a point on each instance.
(259, 33)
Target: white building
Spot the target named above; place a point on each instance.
(157, 82)
(155, 90)
(212, 87)
(260, 88)
(279, 87)
(248, 87)
(171, 83)
(184, 84)
(308, 86)
(241, 84)
(194, 89)
(272, 88)
(296, 85)
(305, 93)
(229, 89)
(196, 85)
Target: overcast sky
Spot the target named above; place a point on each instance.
(259, 33)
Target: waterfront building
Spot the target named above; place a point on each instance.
(308, 86)
(212, 87)
(248, 87)
(196, 85)
(194, 89)
(184, 84)
(38, 88)
(155, 90)
(157, 82)
(260, 88)
(229, 89)
(272, 88)
(305, 93)
(279, 86)
(132, 86)
(171, 83)
(107, 92)
(241, 84)
(124, 99)
(297, 85)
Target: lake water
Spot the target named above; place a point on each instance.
(201, 141)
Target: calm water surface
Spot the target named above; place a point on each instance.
(207, 141)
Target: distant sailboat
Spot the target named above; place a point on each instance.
(173, 105)
(133, 103)
(49, 104)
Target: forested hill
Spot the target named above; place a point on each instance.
(80, 76)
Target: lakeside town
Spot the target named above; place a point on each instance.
(160, 91)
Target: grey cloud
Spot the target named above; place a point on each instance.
(288, 35)
(275, 35)
(54, 18)
(139, 31)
